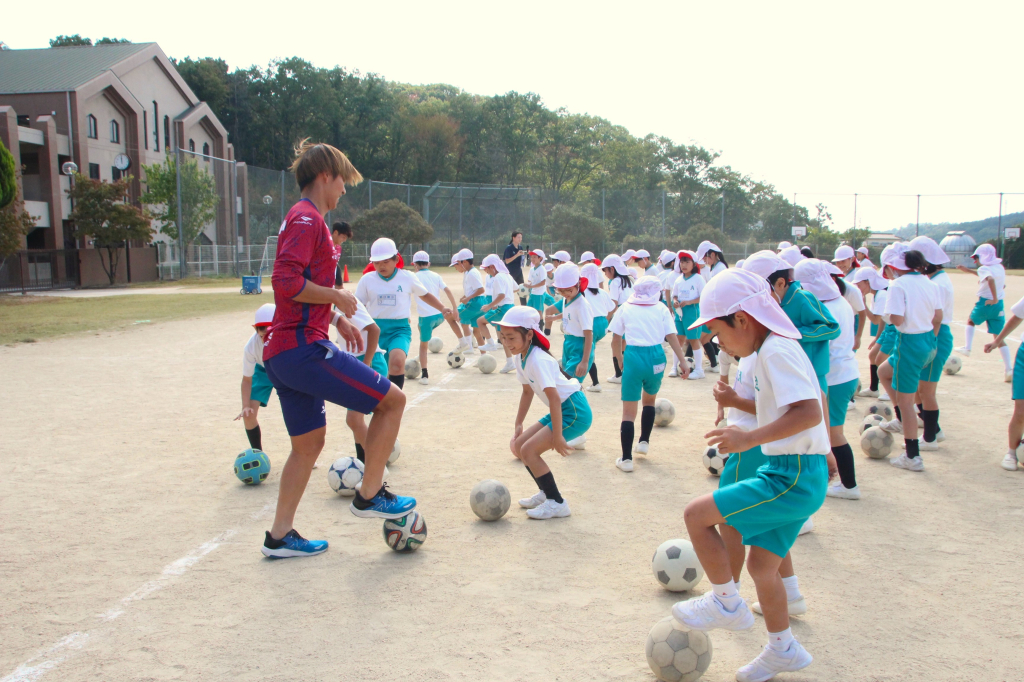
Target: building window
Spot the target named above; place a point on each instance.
(115, 131)
(93, 130)
(24, 120)
(156, 126)
(206, 149)
(145, 127)
(94, 171)
(167, 132)
(191, 145)
(115, 173)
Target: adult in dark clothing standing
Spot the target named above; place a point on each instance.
(513, 258)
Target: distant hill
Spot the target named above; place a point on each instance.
(981, 230)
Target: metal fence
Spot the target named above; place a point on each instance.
(39, 270)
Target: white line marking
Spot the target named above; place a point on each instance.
(27, 672)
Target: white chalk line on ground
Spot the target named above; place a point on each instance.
(48, 659)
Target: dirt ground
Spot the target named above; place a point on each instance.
(131, 552)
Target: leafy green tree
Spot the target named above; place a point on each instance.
(199, 197)
(823, 241)
(703, 232)
(15, 223)
(112, 41)
(70, 41)
(103, 212)
(8, 177)
(856, 236)
(568, 224)
(208, 78)
(395, 220)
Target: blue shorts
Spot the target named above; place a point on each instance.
(943, 348)
(839, 396)
(494, 316)
(769, 508)
(910, 354)
(874, 330)
(379, 363)
(572, 354)
(308, 375)
(261, 386)
(742, 465)
(888, 339)
(394, 335)
(428, 324)
(642, 371)
(576, 416)
(469, 312)
(536, 301)
(992, 315)
(1018, 374)
(600, 328)
(685, 318)
(548, 300)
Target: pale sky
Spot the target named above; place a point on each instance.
(813, 97)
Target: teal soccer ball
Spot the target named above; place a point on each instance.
(252, 467)
(407, 533)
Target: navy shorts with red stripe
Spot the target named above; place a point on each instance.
(308, 375)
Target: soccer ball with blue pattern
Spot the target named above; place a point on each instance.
(344, 475)
(252, 467)
(407, 533)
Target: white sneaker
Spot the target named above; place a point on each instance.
(904, 462)
(614, 380)
(892, 426)
(674, 372)
(797, 607)
(550, 510)
(578, 443)
(530, 502)
(706, 612)
(1009, 462)
(807, 527)
(940, 436)
(842, 492)
(491, 346)
(464, 347)
(596, 388)
(850, 406)
(963, 350)
(884, 396)
(510, 366)
(867, 393)
(624, 464)
(925, 446)
(697, 374)
(770, 663)
(715, 369)
(1008, 377)
(642, 447)
(424, 380)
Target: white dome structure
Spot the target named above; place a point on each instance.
(959, 246)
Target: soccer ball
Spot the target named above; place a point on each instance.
(396, 452)
(881, 409)
(456, 360)
(412, 368)
(435, 345)
(953, 365)
(675, 565)
(407, 533)
(664, 412)
(876, 443)
(871, 420)
(487, 364)
(252, 467)
(523, 291)
(714, 461)
(344, 475)
(676, 653)
(691, 364)
(490, 499)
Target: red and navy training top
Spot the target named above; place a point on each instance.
(304, 251)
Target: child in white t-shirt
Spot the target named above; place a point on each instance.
(685, 298)
(620, 286)
(471, 302)
(373, 356)
(869, 280)
(989, 308)
(256, 385)
(602, 306)
(1016, 427)
(430, 318)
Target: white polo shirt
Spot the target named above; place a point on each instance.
(668, 279)
(362, 321)
(853, 296)
(842, 361)
(744, 387)
(502, 283)
(688, 288)
(619, 293)
(915, 298)
(717, 269)
(998, 275)
(878, 304)
(1018, 308)
(577, 317)
(945, 286)
(642, 325)
(783, 375)
(389, 299)
(537, 280)
(600, 303)
(252, 355)
(433, 283)
(540, 371)
(471, 281)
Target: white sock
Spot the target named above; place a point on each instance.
(727, 595)
(1005, 352)
(792, 588)
(780, 641)
(698, 359)
(970, 336)
(675, 362)
(737, 585)
(1012, 452)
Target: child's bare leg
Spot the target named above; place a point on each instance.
(423, 355)
(1016, 428)
(396, 362)
(734, 545)
(701, 517)
(764, 567)
(786, 569)
(251, 422)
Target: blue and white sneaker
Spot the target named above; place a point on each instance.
(292, 544)
(384, 505)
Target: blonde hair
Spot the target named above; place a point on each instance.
(312, 159)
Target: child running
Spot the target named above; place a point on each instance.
(430, 318)
(620, 286)
(502, 287)
(769, 509)
(645, 323)
(868, 280)
(256, 386)
(569, 416)
(472, 298)
(989, 308)
(602, 306)
(537, 281)
(686, 308)
(1015, 430)
(709, 255)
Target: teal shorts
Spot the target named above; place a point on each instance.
(428, 324)
(888, 339)
(910, 354)
(536, 301)
(874, 330)
(839, 396)
(576, 416)
(469, 312)
(261, 386)
(548, 300)
(688, 316)
(943, 348)
(600, 328)
(742, 465)
(572, 354)
(494, 316)
(394, 335)
(1018, 374)
(991, 315)
(644, 367)
(769, 508)
(379, 364)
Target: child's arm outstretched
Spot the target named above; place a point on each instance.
(801, 415)
(558, 441)
(247, 398)
(524, 406)
(588, 343)
(372, 337)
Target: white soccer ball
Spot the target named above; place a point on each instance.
(882, 409)
(676, 653)
(953, 365)
(487, 364)
(396, 452)
(490, 499)
(675, 565)
(691, 364)
(664, 412)
(871, 420)
(523, 291)
(456, 360)
(344, 475)
(876, 443)
(412, 368)
(435, 345)
(407, 533)
(714, 461)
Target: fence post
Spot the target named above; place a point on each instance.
(21, 271)
(234, 212)
(182, 263)
(370, 193)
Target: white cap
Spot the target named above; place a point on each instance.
(421, 257)
(667, 257)
(647, 291)
(792, 255)
(931, 251)
(525, 316)
(616, 262)
(265, 314)
(816, 278)
(562, 256)
(736, 290)
(740, 262)
(492, 261)
(986, 254)
(567, 275)
(592, 273)
(539, 254)
(587, 257)
(703, 249)
(679, 257)
(863, 250)
(843, 252)
(549, 267)
(630, 253)
(382, 249)
(643, 253)
(893, 256)
(872, 277)
(783, 245)
(764, 263)
(462, 254)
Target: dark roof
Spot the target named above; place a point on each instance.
(59, 69)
